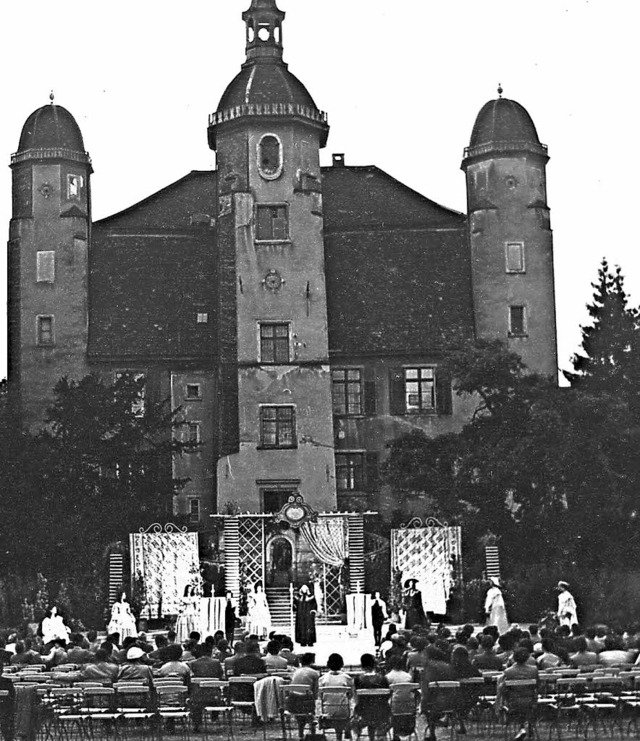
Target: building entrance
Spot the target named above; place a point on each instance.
(280, 565)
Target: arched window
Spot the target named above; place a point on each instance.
(270, 156)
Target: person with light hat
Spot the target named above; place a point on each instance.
(567, 610)
(494, 606)
(134, 668)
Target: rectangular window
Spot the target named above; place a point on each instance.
(194, 510)
(274, 343)
(45, 266)
(137, 406)
(193, 432)
(272, 223)
(349, 471)
(202, 317)
(44, 330)
(346, 387)
(481, 179)
(419, 389)
(74, 186)
(517, 321)
(277, 427)
(192, 392)
(515, 257)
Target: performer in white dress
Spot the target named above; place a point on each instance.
(188, 617)
(259, 615)
(567, 610)
(494, 607)
(122, 620)
(53, 627)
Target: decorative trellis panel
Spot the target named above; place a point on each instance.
(251, 548)
(332, 591)
(167, 560)
(432, 555)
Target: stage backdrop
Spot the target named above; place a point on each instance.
(167, 560)
(432, 556)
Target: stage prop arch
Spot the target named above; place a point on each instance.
(431, 553)
(166, 559)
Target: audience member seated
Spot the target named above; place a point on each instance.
(230, 662)
(614, 653)
(134, 668)
(251, 663)
(485, 659)
(77, 654)
(204, 665)
(174, 667)
(582, 657)
(273, 660)
(57, 655)
(336, 708)
(100, 669)
(405, 701)
(548, 659)
(303, 705)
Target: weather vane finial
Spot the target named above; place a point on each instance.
(500, 89)
(51, 96)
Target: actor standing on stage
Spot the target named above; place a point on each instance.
(306, 607)
(567, 609)
(122, 620)
(378, 616)
(230, 618)
(259, 615)
(494, 607)
(412, 603)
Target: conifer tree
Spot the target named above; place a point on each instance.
(609, 360)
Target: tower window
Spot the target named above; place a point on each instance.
(193, 392)
(270, 156)
(202, 317)
(277, 427)
(346, 387)
(515, 257)
(274, 343)
(74, 186)
(349, 471)
(517, 321)
(44, 331)
(481, 179)
(45, 266)
(194, 510)
(193, 432)
(272, 223)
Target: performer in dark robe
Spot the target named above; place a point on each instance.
(230, 618)
(306, 608)
(412, 604)
(378, 616)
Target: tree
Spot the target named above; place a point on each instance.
(553, 471)
(609, 360)
(101, 468)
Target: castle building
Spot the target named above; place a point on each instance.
(298, 314)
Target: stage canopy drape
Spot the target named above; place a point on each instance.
(327, 539)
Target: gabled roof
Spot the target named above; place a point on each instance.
(367, 197)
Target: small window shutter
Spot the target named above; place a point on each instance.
(444, 400)
(264, 230)
(396, 392)
(372, 471)
(370, 392)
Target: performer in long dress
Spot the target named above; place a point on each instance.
(412, 603)
(567, 609)
(122, 620)
(378, 616)
(494, 607)
(259, 615)
(306, 607)
(53, 627)
(230, 618)
(188, 617)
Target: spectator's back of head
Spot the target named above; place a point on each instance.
(307, 659)
(521, 655)
(335, 662)
(174, 652)
(368, 662)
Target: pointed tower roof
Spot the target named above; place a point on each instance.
(264, 86)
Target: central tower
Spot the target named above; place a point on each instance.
(275, 425)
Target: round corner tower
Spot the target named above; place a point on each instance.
(510, 234)
(276, 426)
(48, 261)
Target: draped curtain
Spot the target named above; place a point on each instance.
(327, 539)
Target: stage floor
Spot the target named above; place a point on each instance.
(337, 639)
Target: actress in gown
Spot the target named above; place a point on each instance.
(122, 620)
(494, 607)
(188, 619)
(259, 615)
(305, 607)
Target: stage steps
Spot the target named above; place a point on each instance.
(278, 599)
